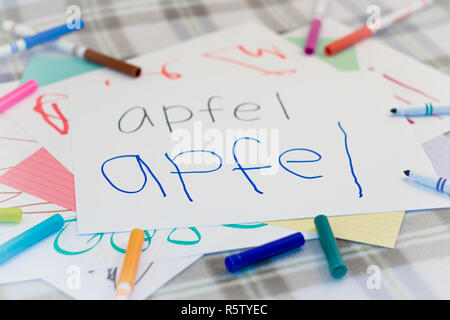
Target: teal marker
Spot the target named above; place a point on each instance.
(328, 242)
(30, 237)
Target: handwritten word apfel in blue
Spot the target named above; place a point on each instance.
(285, 165)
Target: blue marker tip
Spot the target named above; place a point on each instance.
(241, 260)
(52, 34)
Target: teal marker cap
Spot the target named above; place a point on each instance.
(329, 245)
(30, 237)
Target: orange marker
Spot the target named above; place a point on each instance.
(348, 41)
(130, 265)
(366, 31)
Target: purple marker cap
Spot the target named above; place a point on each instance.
(310, 45)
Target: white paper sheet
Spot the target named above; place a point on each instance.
(99, 284)
(126, 179)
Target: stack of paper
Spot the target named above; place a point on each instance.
(218, 134)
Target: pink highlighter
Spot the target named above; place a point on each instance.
(314, 30)
(18, 94)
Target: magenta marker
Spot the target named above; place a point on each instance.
(18, 94)
(314, 30)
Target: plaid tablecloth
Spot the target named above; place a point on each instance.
(416, 268)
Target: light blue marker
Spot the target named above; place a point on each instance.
(30, 237)
(439, 184)
(423, 111)
(37, 39)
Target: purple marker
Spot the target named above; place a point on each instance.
(321, 7)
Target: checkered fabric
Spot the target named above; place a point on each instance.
(416, 268)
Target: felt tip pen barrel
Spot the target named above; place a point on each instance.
(316, 23)
(366, 31)
(244, 259)
(18, 94)
(31, 41)
(78, 51)
(438, 183)
(30, 237)
(130, 265)
(424, 111)
(336, 265)
(11, 215)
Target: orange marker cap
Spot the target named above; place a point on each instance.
(131, 260)
(347, 41)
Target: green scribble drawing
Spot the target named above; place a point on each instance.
(185, 242)
(60, 250)
(346, 60)
(245, 226)
(147, 240)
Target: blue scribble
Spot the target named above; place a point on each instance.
(141, 164)
(299, 161)
(350, 160)
(239, 166)
(180, 173)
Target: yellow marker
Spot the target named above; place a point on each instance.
(130, 265)
(10, 215)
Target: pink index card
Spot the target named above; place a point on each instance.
(43, 176)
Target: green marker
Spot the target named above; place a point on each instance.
(328, 242)
(10, 214)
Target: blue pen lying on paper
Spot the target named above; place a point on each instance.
(37, 39)
(241, 260)
(30, 237)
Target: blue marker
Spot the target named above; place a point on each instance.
(30, 237)
(37, 39)
(439, 184)
(241, 260)
(425, 111)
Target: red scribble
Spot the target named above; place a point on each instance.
(371, 69)
(409, 120)
(397, 82)
(260, 52)
(39, 108)
(165, 73)
(13, 195)
(406, 102)
(402, 99)
(107, 82)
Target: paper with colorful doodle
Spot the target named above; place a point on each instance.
(272, 95)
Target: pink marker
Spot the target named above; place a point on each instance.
(18, 94)
(321, 7)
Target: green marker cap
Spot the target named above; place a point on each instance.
(10, 214)
(328, 242)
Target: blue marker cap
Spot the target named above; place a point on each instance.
(51, 34)
(30, 237)
(241, 260)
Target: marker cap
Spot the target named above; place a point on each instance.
(328, 242)
(30, 237)
(115, 64)
(10, 215)
(347, 41)
(241, 260)
(18, 94)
